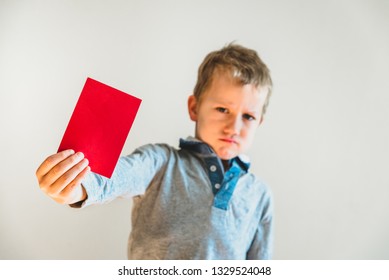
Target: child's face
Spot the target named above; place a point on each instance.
(227, 115)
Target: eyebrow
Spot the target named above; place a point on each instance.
(226, 103)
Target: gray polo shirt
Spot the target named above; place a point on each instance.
(186, 206)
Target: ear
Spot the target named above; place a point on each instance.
(192, 108)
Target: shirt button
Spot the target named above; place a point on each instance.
(217, 186)
(213, 168)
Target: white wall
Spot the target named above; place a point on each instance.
(323, 147)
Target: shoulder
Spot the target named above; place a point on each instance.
(262, 185)
(159, 148)
(258, 188)
(257, 182)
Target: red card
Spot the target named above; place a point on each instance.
(99, 125)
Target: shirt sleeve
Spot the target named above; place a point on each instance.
(262, 245)
(132, 175)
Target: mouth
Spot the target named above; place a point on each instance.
(229, 141)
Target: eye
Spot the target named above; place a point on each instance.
(249, 117)
(222, 110)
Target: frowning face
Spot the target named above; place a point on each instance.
(227, 115)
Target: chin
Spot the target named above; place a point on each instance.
(227, 155)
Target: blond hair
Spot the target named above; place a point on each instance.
(242, 64)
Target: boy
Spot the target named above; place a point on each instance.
(198, 202)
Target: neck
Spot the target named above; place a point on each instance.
(226, 165)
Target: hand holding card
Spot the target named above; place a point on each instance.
(100, 124)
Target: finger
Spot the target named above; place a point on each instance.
(60, 169)
(66, 192)
(68, 176)
(51, 161)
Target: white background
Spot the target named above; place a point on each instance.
(323, 147)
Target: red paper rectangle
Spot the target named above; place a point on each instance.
(100, 124)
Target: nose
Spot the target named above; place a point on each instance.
(233, 125)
